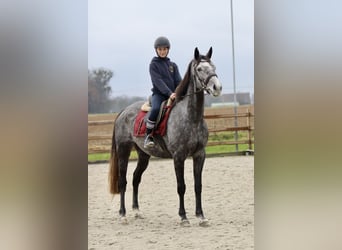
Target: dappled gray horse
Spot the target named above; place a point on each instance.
(186, 135)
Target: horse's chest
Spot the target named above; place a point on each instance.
(196, 136)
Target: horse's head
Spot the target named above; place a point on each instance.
(204, 73)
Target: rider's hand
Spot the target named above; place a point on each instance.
(173, 96)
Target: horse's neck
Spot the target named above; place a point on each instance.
(195, 104)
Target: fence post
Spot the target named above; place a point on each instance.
(249, 130)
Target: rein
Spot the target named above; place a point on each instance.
(195, 92)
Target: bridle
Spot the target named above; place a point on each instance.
(203, 82)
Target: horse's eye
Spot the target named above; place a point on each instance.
(199, 69)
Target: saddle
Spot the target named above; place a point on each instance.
(161, 122)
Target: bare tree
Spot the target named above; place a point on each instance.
(99, 90)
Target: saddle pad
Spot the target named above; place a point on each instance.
(140, 124)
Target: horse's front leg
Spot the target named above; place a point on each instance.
(198, 162)
(181, 187)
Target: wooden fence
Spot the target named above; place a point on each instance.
(100, 131)
(247, 127)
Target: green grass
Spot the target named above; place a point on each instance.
(106, 156)
(98, 157)
(220, 149)
(210, 150)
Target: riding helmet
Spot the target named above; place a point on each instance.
(162, 41)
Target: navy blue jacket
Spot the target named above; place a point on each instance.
(164, 75)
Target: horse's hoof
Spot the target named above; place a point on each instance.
(185, 223)
(123, 220)
(138, 214)
(204, 222)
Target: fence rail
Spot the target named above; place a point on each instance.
(100, 132)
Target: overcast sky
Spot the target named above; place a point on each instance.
(121, 36)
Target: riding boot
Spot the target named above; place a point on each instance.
(148, 143)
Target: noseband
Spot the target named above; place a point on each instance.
(208, 79)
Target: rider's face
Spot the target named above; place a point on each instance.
(162, 51)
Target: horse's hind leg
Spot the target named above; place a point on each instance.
(123, 156)
(143, 160)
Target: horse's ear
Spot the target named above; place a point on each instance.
(210, 52)
(197, 54)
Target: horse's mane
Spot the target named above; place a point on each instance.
(183, 85)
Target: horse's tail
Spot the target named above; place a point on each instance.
(113, 166)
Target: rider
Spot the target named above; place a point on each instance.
(165, 78)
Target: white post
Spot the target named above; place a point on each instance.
(234, 82)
